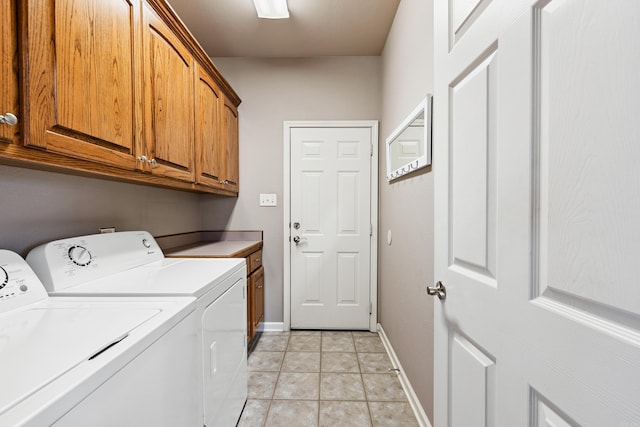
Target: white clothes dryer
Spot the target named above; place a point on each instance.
(92, 361)
(132, 264)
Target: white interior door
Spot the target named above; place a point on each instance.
(536, 154)
(331, 227)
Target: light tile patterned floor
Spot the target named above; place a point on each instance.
(328, 378)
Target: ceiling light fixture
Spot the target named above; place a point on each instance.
(272, 9)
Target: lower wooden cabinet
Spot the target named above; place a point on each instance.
(255, 289)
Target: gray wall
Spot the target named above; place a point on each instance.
(406, 206)
(272, 91)
(38, 206)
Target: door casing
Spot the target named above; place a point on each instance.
(286, 205)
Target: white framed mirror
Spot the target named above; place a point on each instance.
(409, 145)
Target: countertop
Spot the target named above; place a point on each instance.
(220, 249)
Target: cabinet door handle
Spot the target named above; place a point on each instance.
(142, 159)
(9, 119)
(258, 260)
(152, 162)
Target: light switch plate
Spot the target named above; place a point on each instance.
(268, 199)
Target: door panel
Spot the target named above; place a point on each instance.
(473, 380)
(472, 166)
(81, 88)
(330, 199)
(229, 147)
(170, 101)
(9, 70)
(537, 197)
(208, 136)
(576, 170)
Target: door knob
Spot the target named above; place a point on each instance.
(438, 290)
(298, 239)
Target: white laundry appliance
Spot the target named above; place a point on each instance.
(92, 361)
(132, 264)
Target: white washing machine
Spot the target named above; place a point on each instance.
(92, 361)
(132, 264)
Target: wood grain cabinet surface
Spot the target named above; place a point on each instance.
(82, 86)
(229, 147)
(208, 131)
(169, 101)
(9, 72)
(115, 89)
(257, 305)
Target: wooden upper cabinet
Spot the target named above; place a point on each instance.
(82, 80)
(9, 71)
(170, 76)
(208, 135)
(229, 147)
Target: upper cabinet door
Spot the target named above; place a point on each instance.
(82, 79)
(208, 135)
(170, 78)
(9, 70)
(230, 147)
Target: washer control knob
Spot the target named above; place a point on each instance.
(24, 288)
(4, 278)
(146, 243)
(80, 255)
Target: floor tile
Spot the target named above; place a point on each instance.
(374, 363)
(305, 332)
(339, 362)
(301, 361)
(265, 361)
(383, 387)
(392, 414)
(304, 343)
(296, 385)
(368, 344)
(364, 333)
(254, 413)
(342, 342)
(283, 413)
(262, 384)
(335, 333)
(270, 341)
(341, 387)
(344, 414)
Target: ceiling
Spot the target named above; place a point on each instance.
(315, 28)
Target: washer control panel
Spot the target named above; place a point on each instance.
(69, 262)
(19, 286)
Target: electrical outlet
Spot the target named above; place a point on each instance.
(268, 199)
(107, 230)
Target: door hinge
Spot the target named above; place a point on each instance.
(370, 230)
(371, 151)
(370, 308)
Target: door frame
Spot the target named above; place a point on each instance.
(286, 206)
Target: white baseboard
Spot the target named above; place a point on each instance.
(272, 327)
(417, 408)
